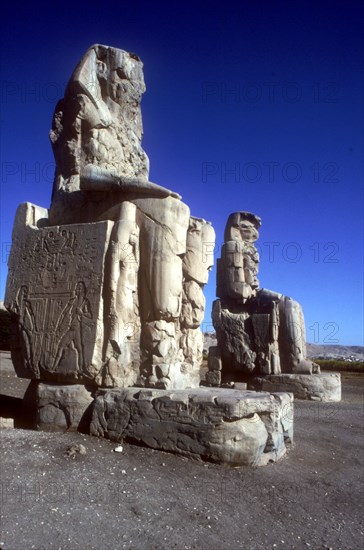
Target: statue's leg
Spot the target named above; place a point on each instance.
(164, 225)
(292, 338)
(190, 336)
(122, 331)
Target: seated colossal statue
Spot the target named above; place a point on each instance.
(259, 332)
(144, 275)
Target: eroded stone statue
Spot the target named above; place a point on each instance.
(105, 290)
(106, 286)
(259, 332)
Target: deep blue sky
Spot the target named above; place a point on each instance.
(272, 90)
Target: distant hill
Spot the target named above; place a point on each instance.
(347, 353)
(354, 353)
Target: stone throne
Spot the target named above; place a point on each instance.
(260, 333)
(105, 287)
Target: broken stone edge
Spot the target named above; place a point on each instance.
(238, 428)
(226, 426)
(325, 386)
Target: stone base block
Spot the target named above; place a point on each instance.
(239, 428)
(325, 386)
(58, 408)
(213, 377)
(6, 423)
(240, 386)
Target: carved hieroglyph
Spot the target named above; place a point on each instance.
(54, 293)
(140, 322)
(259, 332)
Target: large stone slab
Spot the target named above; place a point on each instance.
(55, 295)
(325, 386)
(57, 407)
(239, 428)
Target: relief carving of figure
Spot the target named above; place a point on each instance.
(22, 309)
(70, 326)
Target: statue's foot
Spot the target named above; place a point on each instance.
(316, 368)
(305, 366)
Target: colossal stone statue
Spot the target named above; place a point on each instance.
(103, 285)
(105, 290)
(259, 332)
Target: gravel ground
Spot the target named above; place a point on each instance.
(145, 499)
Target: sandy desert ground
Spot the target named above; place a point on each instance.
(145, 499)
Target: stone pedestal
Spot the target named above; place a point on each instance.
(230, 426)
(57, 407)
(239, 428)
(325, 386)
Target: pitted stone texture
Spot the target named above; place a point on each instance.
(193, 305)
(6, 423)
(197, 262)
(214, 359)
(98, 122)
(213, 378)
(54, 294)
(58, 408)
(213, 375)
(325, 386)
(239, 428)
(199, 257)
(260, 332)
(191, 344)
